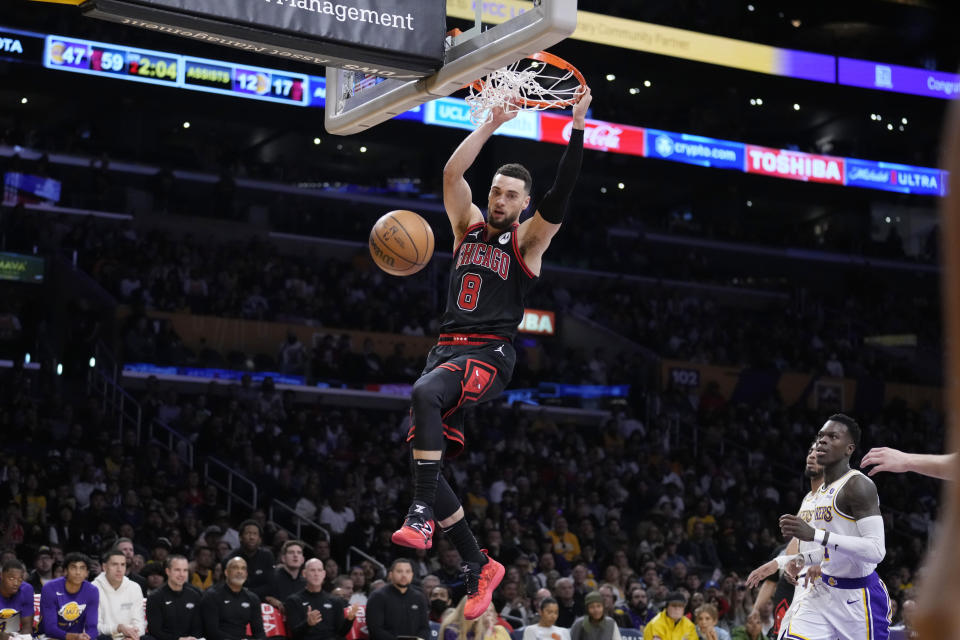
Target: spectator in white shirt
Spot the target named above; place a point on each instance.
(337, 515)
(121, 612)
(546, 629)
(834, 366)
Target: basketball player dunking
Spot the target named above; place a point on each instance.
(495, 263)
(849, 601)
(787, 591)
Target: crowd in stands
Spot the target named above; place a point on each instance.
(805, 331)
(624, 510)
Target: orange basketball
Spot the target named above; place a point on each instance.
(401, 242)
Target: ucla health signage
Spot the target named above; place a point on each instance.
(706, 152)
(892, 77)
(454, 112)
(901, 178)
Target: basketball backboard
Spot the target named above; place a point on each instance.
(358, 99)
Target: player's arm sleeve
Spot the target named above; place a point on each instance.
(48, 615)
(869, 546)
(812, 557)
(26, 609)
(554, 204)
(92, 613)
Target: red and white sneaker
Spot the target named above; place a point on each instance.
(417, 529)
(481, 581)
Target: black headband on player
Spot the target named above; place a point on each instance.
(554, 204)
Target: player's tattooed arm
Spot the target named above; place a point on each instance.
(859, 498)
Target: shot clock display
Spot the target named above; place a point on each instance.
(155, 67)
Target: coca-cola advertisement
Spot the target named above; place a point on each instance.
(603, 136)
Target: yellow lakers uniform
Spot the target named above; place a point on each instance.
(849, 601)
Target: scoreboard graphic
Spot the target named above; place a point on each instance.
(174, 70)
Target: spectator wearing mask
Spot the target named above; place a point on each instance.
(671, 624)
(440, 601)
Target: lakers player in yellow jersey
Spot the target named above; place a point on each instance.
(849, 601)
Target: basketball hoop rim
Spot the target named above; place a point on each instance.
(556, 61)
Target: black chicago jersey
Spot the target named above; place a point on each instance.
(488, 284)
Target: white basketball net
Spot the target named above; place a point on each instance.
(520, 89)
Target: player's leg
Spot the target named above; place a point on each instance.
(481, 573)
(486, 373)
(861, 612)
(439, 388)
(808, 621)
